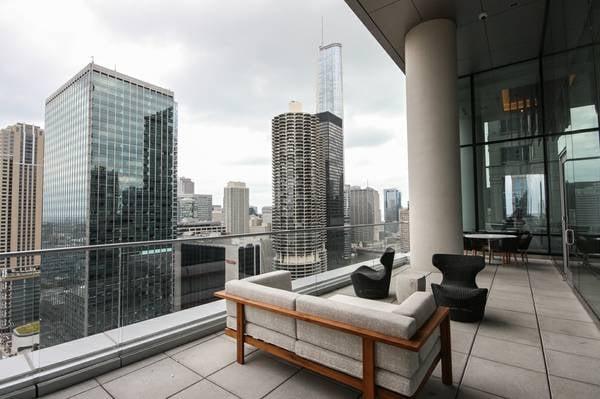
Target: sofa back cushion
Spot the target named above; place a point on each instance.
(268, 295)
(420, 306)
(347, 344)
(281, 279)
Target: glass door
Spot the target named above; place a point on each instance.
(580, 198)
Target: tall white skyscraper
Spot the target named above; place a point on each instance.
(364, 209)
(236, 201)
(299, 200)
(330, 92)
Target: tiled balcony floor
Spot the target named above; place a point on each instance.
(536, 341)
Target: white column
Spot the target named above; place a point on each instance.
(433, 142)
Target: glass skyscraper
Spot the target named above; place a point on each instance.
(330, 93)
(110, 176)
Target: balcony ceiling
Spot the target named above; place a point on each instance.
(512, 31)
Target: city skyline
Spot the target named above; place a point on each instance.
(224, 106)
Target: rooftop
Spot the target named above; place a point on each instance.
(536, 341)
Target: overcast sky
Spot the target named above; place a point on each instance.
(233, 65)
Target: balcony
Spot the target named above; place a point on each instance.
(536, 341)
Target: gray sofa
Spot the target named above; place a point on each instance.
(396, 369)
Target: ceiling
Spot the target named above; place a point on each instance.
(512, 31)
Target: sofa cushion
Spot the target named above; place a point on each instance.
(385, 378)
(273, 296)
(281, 279)
(370, 304)
(265, 334)
(420, 306)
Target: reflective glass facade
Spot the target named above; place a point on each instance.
(330, 93)
(530, 147)
(110, 176)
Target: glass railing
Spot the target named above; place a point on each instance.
(99, 291)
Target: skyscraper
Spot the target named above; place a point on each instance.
(364, 209)
(330, 93)
(21, 174)
(391, 207)
(110, 176)
(236, 202)
(332, 140)
(299, 200)
(185, 186)
(195, 207)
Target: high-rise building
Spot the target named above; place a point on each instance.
(195, 207)
(330, 93)
(364, 209)
(347, 230)
(21, 175)
(217, 213)
(185, 186)
(391, 207)
(110, 175)
(332, 140)
(403, 216)
(299, 200)
(236, 201)
(267, 216)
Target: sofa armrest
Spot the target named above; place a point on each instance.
(420, 306)
(281, 279)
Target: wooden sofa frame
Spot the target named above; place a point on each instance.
(440, 318)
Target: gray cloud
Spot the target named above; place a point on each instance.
(368, 137)
(252, 161)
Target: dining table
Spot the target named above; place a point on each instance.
(490, 237)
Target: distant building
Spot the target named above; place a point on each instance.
(235, 208)
(391, 206)
(348, 230)
(364, 209)
(185, 186)
(330, 92)
(110, 175)
(267, 215)
(299, 200)
(194, 206)
(403, 215)
(192, 228)
(332, 140)
(21, 176)
(253, 210)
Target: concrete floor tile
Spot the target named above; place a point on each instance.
(157, 380)
(204, 389)
(73, 390)
(309, 385)
(569, 327)
(563, 388)
(504, 380)
(459, 361)
(571, 344)
(461, 340)
(497, 316)
(510, 332)
(579, 368)
(434, 388)
(579, 315)
(94, 393)
(112, 375)
(470, 393)
(256, 378)
(514, 354)
(180, 348)
(209, 356)
(517, 305)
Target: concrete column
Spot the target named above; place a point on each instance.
(433, 142)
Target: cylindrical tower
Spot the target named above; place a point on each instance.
(298, 193)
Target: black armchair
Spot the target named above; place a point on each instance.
(458, 289)
(374, 284)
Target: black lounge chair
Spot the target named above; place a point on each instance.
(458, 289)
(374, 284)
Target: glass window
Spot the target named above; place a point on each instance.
(465, 124)
(507, 103)
(468, 188)
(512, 186)
(570, 101)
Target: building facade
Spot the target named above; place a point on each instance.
(194, 207)
(236, 201)
(21, 177)
(110, 176)
(330, 92)
(404, 229)
(299, 198)
(364, 209)
(391, 206)
(185, 186)
(332, 139)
